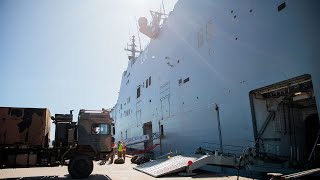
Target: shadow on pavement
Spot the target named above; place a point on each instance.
(199, 174)
(66, 177)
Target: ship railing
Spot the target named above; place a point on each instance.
(227, 149)
(142, 139)
(156, 135)
(167, 155)
(294, 153)
(266, 156)
(273, 152)
(270, 150)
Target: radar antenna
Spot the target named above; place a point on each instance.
(152, 29)
(132, 49)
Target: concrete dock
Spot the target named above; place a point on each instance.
(102, 172)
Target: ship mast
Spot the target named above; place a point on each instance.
(132, 49)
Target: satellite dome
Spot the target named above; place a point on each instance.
(143, 21)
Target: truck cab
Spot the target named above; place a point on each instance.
(89, 139)
(94, 130)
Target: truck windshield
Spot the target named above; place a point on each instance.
(100, 129)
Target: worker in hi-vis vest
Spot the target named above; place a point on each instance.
(110, 155)
(120, 149)
(124, 149)
(114, 149)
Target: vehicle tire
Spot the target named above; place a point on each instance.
(80, 166)
(142, 160)
(139, 160)
(134, 159)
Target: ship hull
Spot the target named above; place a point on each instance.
(205, 66)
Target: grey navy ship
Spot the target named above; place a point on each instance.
(225, 75)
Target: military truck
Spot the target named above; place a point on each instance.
(25, 133)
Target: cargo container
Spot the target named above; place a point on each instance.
(25, 132)
(24, 126)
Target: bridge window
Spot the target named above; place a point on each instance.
(138, 92)
(186, 80)
(161, 130)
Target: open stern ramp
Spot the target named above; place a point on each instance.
(170, 165)
(178, 163)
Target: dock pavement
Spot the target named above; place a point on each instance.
(103, 172)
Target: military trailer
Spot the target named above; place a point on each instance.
(25, 133)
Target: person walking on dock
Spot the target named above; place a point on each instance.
(124, 149)
(120, 149)
(111, 155)
(114, 149)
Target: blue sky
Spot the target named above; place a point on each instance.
(66, 55)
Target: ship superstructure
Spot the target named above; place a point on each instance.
(227, 75)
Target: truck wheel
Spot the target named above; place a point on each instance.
(80, 166)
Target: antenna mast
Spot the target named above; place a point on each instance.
(132, 50)
(164, 12)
